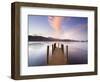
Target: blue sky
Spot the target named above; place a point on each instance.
(71, 27)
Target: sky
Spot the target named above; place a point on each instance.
(63, 27)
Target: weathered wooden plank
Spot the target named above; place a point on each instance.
(57, 58)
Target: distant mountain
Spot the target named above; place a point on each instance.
(41, 38)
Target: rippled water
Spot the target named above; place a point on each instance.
(37, 53)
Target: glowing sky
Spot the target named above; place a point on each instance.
(58, 27)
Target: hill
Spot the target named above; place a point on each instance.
(41, 38)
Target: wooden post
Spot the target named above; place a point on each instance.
(47, 54)
(54, 46)
(62, 47)
(67, 54)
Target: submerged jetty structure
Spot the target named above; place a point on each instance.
(58, 57)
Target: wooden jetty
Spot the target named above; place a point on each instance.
(58, 57)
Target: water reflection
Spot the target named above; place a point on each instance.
(77, 52)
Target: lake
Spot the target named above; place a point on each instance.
(37, 52)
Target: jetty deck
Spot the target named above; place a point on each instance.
(58, 57)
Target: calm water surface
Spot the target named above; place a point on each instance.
(77, 52)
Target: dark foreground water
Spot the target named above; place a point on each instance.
(37, 52)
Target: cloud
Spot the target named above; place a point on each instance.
(78, 32)
(55, 23)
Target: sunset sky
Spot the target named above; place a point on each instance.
(58, 27)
